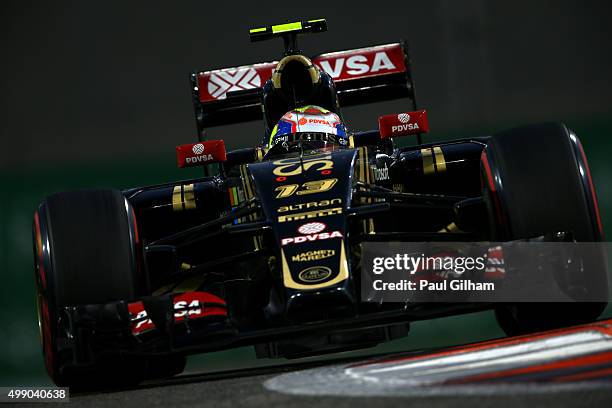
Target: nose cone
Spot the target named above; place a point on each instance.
(328, 303)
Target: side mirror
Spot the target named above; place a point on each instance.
(403, 124)
(201, 153)
(244, 156)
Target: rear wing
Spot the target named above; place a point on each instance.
(363, 75)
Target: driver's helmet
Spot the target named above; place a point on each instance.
(313, 125)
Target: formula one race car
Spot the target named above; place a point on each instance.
(264, 250)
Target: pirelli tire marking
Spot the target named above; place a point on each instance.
(566, 359)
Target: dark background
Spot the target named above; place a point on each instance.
(96, 94)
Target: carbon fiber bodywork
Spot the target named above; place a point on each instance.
(239, 235)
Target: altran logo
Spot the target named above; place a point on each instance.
(198, 148)
(403, 117)
(311, 228)
(235, 79)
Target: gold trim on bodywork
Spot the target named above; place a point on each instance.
(183, 197)
(370, 178)
(369, 174)
(259, 153)
(189, 285)
(451, 228)
(244, 175)
(177, 198)
(249, 192)
(360, 175)
(163, 290)
(189, 197)
(365, 175)
(440, 160)
(428, 161)
(288, 281)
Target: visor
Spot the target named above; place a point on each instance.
(306, 141)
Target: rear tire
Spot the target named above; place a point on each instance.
(537, 181)
(85, 250)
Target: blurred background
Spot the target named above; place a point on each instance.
(96, 94)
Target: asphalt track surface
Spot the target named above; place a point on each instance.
(567, 367)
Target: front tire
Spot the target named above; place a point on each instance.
(85, 251)
(537, 181)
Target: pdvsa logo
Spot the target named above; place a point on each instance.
(405, 127)
(312, 231)
(319, 122)
(312, 228)
(359, 64)
(198, 148)
(403, 117)
(234, 79)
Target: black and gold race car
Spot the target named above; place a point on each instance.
(265, 248)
